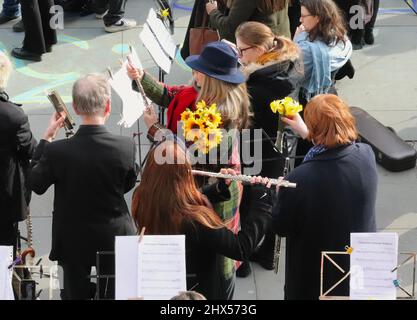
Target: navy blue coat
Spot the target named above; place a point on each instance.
(335, 195)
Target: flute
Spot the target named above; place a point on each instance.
(243, 178)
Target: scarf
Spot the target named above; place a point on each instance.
(314, 151)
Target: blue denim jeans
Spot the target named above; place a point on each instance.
(11, 8)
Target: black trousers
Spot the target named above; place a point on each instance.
(116, 10)
(36, 19)
(78, 285)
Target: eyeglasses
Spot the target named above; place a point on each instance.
(305, 16)
(240, 51)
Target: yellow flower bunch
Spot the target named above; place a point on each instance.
(286, 107)
(202, 126)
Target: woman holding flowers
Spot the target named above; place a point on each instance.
(335, 195)
(217, 80)
(274, 69)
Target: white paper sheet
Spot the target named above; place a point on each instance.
(374, 256)
(155, 49)
(133, 104)
(6, 258)
(162, 34)
(126, 250)
(161, 267)
(153, 269)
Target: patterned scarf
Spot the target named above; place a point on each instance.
(314, 151)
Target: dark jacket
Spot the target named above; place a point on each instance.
(335, 195)
(91, 173)
(275, 80)
(244, 10)
(17, 146)
(196, 21)
(206, 247)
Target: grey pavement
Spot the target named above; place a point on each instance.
(385, 85)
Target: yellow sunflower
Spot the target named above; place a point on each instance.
(193, 129)
(187, 114)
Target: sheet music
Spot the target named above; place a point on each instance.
(153, 269)
(133, 104)
(155, 49)
(374, 256)
(6, 258)
(162, 34)
(161, 267)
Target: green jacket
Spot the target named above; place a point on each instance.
(246, 10)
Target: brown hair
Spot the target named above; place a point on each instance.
(329, 121)
(167, 194)
(270, 6)
(232, 101)
(257, 34)
(331, 27)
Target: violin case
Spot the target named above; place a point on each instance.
(391, 152)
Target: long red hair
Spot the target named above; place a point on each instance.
(167, 194)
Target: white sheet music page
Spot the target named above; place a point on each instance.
(133, 104)
(6, 258)
(155, 50)
(373, 257)
(161, 267)
(162, 34)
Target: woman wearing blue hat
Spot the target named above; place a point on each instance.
(216, 79)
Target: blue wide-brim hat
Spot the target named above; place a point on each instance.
(218, 60)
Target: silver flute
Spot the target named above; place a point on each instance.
(243, 178)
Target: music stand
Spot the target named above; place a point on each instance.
(412, 5)
(161, 46)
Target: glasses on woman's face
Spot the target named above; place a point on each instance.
(306, 15)
(240, 50)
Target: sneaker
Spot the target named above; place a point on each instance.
(101, 15)
(4, 18)
(122, 24)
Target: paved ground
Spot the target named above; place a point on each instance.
(385, 85)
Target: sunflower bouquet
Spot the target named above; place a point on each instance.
(201, 126)
(286, 107)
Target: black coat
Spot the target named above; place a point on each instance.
(17, 146)
(335, 195)
(91, 173)
(206, 247)
(276, 80)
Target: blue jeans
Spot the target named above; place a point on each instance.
(11, 8)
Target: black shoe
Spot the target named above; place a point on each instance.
(49, 49)
(357, 45)
(369, 37)
(264, 258)
(4, 19)
(21, 53)
(244, 270)
(18, 27)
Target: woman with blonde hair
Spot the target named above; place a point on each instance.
(274, 69)
(335, 196)
(168, 202)
(217, 79)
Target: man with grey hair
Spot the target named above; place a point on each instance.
(91, 173)
(17, 145)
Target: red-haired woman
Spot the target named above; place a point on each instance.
(335, 195)
(168, 202)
